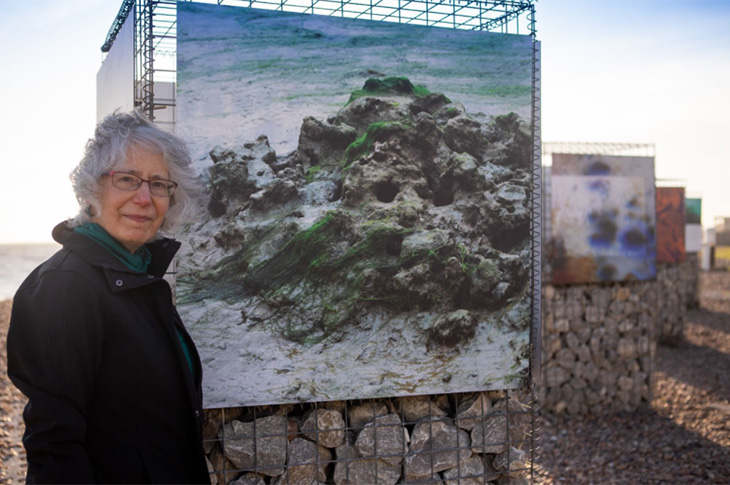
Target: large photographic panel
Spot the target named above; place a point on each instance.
(670, 214)
(602, 219)
(368, 226)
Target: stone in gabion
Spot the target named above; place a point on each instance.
(562, 325)
(490, 436)
(473, 410)
(419, 407)
(385, 437)
(555, 376)
(609, 338)
(425, 455)
(469, 472)
(211, 471)
(225, 471)
(440, 451)
(267, 454)
(565, 358)
(512, 462)
(362, 414)
(351, 468)
(550, 346)
(307, 462)
(249, 479)
(572, 341)
(324, 426)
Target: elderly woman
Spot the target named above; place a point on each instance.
(112, 377)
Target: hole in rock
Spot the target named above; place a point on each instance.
(386, 191)
(337, 192)
(443, 196)
(393, 245)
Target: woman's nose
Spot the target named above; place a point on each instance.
(143, 195)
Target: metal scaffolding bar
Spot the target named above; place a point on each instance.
(124, 11)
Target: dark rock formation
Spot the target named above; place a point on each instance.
(401, 221)
(428, 209)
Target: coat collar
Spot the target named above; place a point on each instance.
(162, 250)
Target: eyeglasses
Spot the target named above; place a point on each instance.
(130, 182)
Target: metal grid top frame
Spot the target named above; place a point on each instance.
(155, 27)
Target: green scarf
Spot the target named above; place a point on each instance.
(138, 261)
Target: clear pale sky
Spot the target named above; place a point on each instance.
(639, 71)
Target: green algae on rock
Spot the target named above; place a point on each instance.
(397, 235)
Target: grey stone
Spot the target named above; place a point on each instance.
(556, 375)
(415, 408)
(225, 471)
(249, 479)
(628, 348)
(625, 383)
(572, 342)
(562, 325)
(473, 410)
(306, 462)
(565, 358)
(324, 426)
(469, 472)
(593, 314)
(350, 468)
(490, 436)
(259, 445)
(584, 353)
(384, 437)
(211, 470)
(362, 414)
(512, 463)
(551, 344)
(435, 446)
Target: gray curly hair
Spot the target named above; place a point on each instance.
(114, 136)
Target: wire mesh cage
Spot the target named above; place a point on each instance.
(456, 438)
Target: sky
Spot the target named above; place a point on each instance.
(625, 71)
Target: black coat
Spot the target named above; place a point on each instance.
(94, 347)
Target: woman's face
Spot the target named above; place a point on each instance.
(134, 217)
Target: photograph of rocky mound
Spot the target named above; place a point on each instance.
(388, 255)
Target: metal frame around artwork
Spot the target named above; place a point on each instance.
(155, 35)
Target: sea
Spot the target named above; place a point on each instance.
(17, 261)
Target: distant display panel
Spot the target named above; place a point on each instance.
(693, 210)
(670, 224)
(602, 211)
(693, 228)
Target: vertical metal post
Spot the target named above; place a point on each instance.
(148, 95)
(536, 267)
